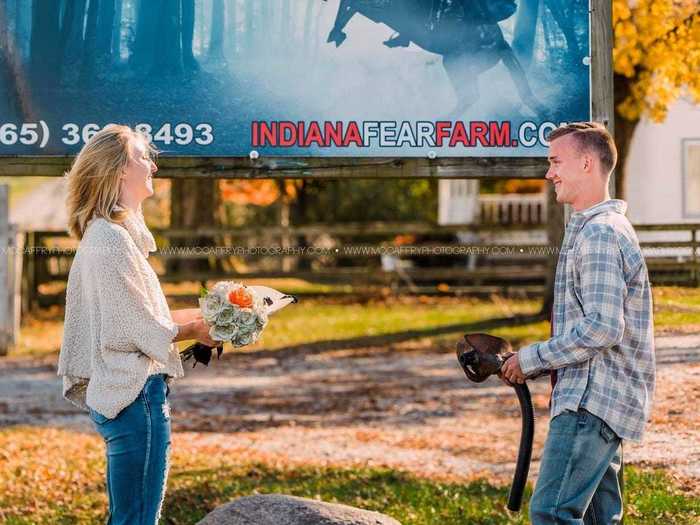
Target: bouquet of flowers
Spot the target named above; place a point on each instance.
(237, 314)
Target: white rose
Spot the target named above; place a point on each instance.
(221, 289)
(210, 305)
(247, 329)
(227, 315)
(247, 318)
(223, 332)
(244, 339)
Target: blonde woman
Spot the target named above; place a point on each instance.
(117, 356)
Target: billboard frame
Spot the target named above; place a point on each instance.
(198, 167)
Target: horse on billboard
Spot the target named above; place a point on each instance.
(464, 32)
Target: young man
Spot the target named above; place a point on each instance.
(601, 354)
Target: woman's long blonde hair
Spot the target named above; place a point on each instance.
(94, 180)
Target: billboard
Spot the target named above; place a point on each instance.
(296, 78)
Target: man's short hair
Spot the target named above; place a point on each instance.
(590, 137)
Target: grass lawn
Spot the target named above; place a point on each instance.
(50, 476)
(431, 321)
(56, 476)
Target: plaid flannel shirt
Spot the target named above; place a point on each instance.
(603, 338)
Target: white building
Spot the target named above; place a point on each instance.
(662, 176)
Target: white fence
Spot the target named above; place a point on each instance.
(460, 202)
(513, 208)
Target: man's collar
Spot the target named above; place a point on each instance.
(610, 205)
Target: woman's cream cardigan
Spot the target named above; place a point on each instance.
(118, 328)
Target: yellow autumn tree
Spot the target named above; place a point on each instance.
(656, 60)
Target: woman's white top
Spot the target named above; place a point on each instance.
(118, 328)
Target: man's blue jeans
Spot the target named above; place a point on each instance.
(578, 473)
(138, 447)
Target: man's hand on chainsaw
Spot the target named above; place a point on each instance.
(511, 372)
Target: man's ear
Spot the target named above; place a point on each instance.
(587, 161)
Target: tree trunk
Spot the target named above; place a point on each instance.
(45, 34)
(188, 17)
(72, 32)
(87, 69)
(200, 25)
(116, 31)
(299, 216)
(21, 26)
(194, 204)
(143, 47)
(232, 37)
(105, 28)
(624, 131)
(216, 42)
(284, 215)
(67, 24)
(555, 236)
(168, 42)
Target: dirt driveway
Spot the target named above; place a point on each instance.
(400, 406)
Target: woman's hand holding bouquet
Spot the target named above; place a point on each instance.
(235, 313)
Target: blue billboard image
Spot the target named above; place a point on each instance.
(295, 78)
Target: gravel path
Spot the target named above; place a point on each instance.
(395, 406)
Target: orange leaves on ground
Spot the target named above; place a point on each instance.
(41, 467)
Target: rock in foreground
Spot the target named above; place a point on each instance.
(276, 509)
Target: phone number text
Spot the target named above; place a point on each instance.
(39, 133)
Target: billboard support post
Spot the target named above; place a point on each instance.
(603, 103)
(602, 91)
(6, 291)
